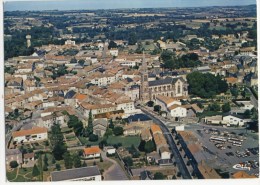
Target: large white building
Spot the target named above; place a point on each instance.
(34, 134)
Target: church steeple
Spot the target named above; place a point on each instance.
(144, 90)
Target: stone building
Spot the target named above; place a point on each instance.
(171, 87)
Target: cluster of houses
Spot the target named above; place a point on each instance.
(174, 108)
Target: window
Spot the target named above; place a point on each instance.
(179, 89)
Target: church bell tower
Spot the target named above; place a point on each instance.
(144, 91)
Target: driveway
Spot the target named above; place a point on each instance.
(115, 172)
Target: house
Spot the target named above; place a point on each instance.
(100, 126)
(160, 141)
(92, 152)
(15, 83)
(165, 102)
(213, 119)
(165, 152)
(155, 129)
(90, 173)
(28, 157)
(30, 135)
(146, 135)
(177, 111)
(113, 52)
(133, 129)
(241, 175)
(110, 150)
(153, 157)
(234, 119)
(13, 155)
(96, 109)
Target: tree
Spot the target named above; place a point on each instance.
(35, 171)
(157, 108)
(158, 176)
(149, 146)
(53, 160)
(58, 167)
(247, 114)
(14, 164)
(112, 44)
(111, 124)
(76, 161)
(67, 160)
(150, 103)
(226, 107)
(132, 38)
(128, 161)
(214, 107)
(141, 146)
(102, 143)
(93, 137)
(45, 159)
(45, 167)
(84, 164)
(58, 151)
(118, 131)
(81, 62)
(89, 129)
(73, 61)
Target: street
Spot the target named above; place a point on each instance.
(176, 155)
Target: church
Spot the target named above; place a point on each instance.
(172, 87)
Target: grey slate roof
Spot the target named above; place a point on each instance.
(70, 94)
(75, 173)
(138, 117)
(167, 80)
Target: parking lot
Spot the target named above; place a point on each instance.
(220, 145)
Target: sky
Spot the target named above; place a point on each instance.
(12, 5)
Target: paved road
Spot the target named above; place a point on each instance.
(115, 172)
(176, 155)
(253, 99)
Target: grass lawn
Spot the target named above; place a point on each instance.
(104, 165)
(11, 175)
(126, 141)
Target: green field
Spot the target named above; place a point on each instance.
(126, 141)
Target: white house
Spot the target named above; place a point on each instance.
(235, 120)
(110, 150)
(34, 134)
(165, 153)
(70, 42)
(113, 52)
(127, 106)
(177, 111)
